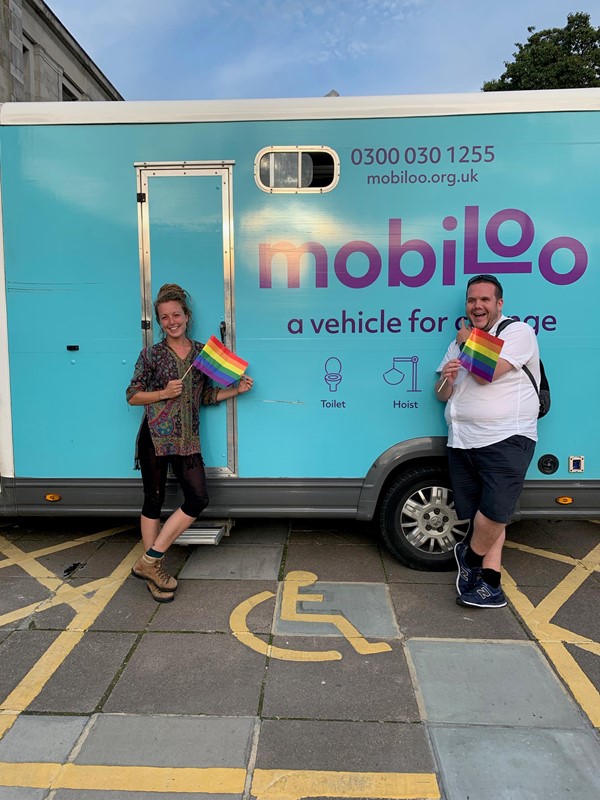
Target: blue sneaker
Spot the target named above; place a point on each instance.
(482, 595)
(467, 577)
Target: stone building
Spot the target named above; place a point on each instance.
(40, 60)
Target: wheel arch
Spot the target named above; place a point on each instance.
(401, 457)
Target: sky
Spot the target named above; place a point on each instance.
(228, 49)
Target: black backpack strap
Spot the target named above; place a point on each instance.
(527, 371)
(504, 324)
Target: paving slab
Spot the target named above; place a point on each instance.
(107, 558)
(19, 652)
(537, 533)
(395, 572)
(367, 606)
(517, 763)
(67, 562)
(589, 663)
(235, 562)
(570, 537)
(18, 593)
(11, 531)
(257, 532)
(81, 681)
(69, 527)
(579, 537)
(344, 746)
(535, 594)
(10, 570)
(206, 605)
(51, 617)
(534, 570)
(375, 687)
(429, 610)
(189, 673)
(491, 683)
(41, 738)
(14, 793)
(131, 609)
(337, 562)
(168, 741)
(580, 612)
(333, 533)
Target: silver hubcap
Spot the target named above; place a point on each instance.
(428, 520)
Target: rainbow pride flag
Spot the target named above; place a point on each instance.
(481, 353)
(219, 363)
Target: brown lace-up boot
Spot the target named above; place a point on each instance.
(159, 595)
(151, 569)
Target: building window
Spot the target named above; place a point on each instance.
(28, 68)
(297, 169)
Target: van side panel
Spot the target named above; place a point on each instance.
(345, 301)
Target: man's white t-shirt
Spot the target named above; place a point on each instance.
(482, 414)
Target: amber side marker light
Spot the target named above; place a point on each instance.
(564, 501)
(53, 498)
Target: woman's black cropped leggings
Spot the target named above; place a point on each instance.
(189, 471)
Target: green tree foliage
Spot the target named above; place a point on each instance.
(557, 58)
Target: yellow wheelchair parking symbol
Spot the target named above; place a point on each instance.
(291, 595)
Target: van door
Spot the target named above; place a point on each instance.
(185, 236)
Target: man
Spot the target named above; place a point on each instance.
(492, 430)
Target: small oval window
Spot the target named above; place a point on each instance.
(297, 169)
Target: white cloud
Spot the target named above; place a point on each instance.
(159, 49)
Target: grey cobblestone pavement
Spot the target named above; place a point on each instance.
(298, 660)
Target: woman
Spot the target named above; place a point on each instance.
(169, 433)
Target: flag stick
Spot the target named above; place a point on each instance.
(187, 370)
(441, 386)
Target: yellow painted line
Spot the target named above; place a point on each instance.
(294, 785)
(84, 777)
(74, 596)
(291, 596)
(535, 551)
(591, 647)
(37, 677)
(578, 682)
(553, 638)
(591, 561)
(32, 776)
(31, 685)
(6, 545)
(555, 600)
(28, 564)
(19, 613)
(266, 784)
(7, 720)
(239, 628)
(544, 631)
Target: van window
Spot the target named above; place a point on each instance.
(296, 169)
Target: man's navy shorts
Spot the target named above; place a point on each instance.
(489, 479)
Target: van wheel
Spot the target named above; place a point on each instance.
(417, 520)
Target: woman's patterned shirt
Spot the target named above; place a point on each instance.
(173, 423)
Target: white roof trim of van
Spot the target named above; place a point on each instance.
(429, 105)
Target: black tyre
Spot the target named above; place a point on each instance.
(417, 520)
